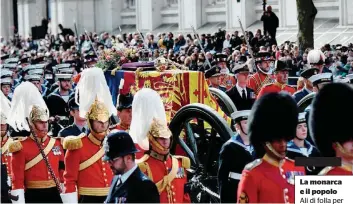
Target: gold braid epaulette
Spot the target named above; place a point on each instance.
(16, 145)
(73, 142)
(185, 161)
(144, 167)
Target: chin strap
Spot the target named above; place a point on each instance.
(269, 146)
(342, 150)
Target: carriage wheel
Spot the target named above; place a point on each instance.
(223, 101)
(205, 132)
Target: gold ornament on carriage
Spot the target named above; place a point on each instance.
(38, 114)
(98, 111)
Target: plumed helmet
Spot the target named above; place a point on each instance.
(316, 57)
(273, 117)
(328, 121)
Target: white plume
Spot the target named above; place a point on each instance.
(25, 96)
(92, 86)
(147, 104)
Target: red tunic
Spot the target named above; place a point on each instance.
(275, 87)
(5, 155)
(38, 176)
(267, 181)
(258, 80)
(95, 179)
(171, 191)
(341, 170)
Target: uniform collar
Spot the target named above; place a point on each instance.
(123, 127)
(127, 174)
(272, 161)
(41, 140)
(280, 85)
(157, 156)
(94, 140)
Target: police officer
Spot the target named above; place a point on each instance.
(235, 154)
(280, 84)
(271, 178)
(124, 111)
(129, 184)
(308, 86)
(301, 147)
(213, 75)
(326, 113)
(80, 124)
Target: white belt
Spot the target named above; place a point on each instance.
(234, 175)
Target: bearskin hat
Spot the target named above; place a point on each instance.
(273, 117)
(329, 122)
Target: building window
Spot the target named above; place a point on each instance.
(214, 2)
(129, 4)
(171, 3)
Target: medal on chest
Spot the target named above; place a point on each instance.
(291, 174)
(56, 150)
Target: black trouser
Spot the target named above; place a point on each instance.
(91, 199)
(45, 195)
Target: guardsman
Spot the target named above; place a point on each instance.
(235, 154)
(129, 185)
(242, 96)
(213, 76)
(5, 155)
(124, 111)
(262, 76)
(308, 86)
(280, 84)
(86, 174)
(271, 178)
(80, 124)
(301, 147)
(150, 130)
(34, 179)
(327, 112)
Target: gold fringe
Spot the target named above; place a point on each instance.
(185, 161)
(73, 142)
(15, 146)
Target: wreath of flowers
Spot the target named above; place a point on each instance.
(109, 59)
